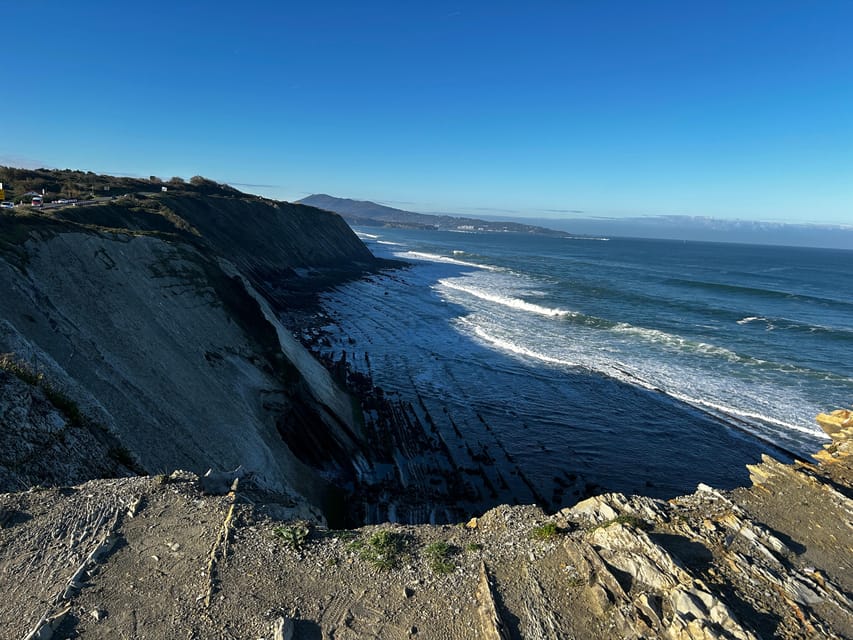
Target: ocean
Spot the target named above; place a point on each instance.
(641, 366)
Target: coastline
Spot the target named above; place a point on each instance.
(468, 452)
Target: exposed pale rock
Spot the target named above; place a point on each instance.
(836, 423)
(283, 629)
(492, 627)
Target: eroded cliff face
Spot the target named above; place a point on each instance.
(151, 322)
(43, 444)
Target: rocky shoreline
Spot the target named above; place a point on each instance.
(163, 557)
(189, 361)
(416, 475)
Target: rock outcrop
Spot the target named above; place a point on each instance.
(44, 444)
(160, 558)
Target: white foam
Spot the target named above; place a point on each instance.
(629, 374)
(362, 234)
(512, 347)
(749, 319)
(512, 303)
(396, 244)
(432, 257)
(668, 339)
(726, 409)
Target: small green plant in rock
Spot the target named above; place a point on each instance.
(24, 372)
(625, 519)
(382, 548)
(547, 531)
(19, 369)
(293, 536)
(438, 557)
(474, 547)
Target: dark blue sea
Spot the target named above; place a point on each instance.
(638, 365)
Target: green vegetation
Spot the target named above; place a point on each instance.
(342, 534)
(438, 557)
(63, 403)
(547, 531)
(20, 370)
(80, 185)
(383, 549)
(162, 479)
(625, 519)
(294, 536)
(473, 547)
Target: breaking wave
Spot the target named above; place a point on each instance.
(506, 301)
(512, 347)
(433, 257)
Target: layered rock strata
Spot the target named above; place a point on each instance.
(157, 557)
(144, 312)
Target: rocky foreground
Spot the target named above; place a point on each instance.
(180, 556)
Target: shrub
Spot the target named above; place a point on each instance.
(625, 519)
(547, 531)
(438, 557)
(122, 455)
(65, 404)
(23, 372)
(19, 369)
(382, 549)
(293, 536)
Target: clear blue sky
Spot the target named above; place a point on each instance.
(731, 109)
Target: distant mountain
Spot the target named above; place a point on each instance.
(664, 227)
(708, 229)
(366, 213)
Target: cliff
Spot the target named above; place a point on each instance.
(143, 334)
(155, 316)
(161, 557)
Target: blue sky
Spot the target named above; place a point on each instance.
(732, 109)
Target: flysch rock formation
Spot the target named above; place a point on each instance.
(148, 321)
(142, 334)
(159, 558)
(159, 316)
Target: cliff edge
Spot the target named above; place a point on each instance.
(161, 557)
